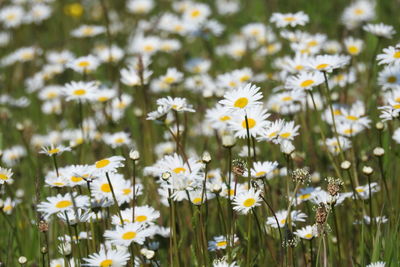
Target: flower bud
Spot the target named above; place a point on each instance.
(216, 189)
(134, 154)
(206, 157)
(165, 176)
(367, 170)
(345, 165)
(22, 260)
(379, 151)
(379, 126)
(228, 141)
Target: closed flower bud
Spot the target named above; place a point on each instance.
(228, 141)
(379, 126)
(367, 170)
(287, 147)
(379, 151)
(134, 154)
(216, 189)
(345, 165)
(206, 158)
(165, 176)
(22, 260)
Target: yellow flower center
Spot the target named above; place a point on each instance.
(289, 19)
(287, 98)
(360, 190)
(353, 49)
(322, 66)
(119, 140)
(251, 123)
(195, 13)
(80, 92)
(273, 134)
(74, 10)
(352, 118)
(148, 48)
(102, 163)
(140, 218)
(106, 263)
(76, 179)
(308, 236)
(84, 64)
(126, 191)
(87, 30)
(312, 43)
(105, 188)
(249, 202)
(179, 170)
(7, 208)
(396, 106)
(241, 102)
(232, 84)
(11, 16)
(221, 244)
(299, 67)
(224, 118)
(244, 78)
(169, 80)
(58, 184)
(102, 98)
(53, 151)
(391, 79)
(305, 196)
(129, 235)
(359, 11)
(337, 112)
(3, 177)
(63, 204)
(348, 131)
(283, 221)
(285, 135)
(396, 54)
(307, 83)
(262, 173)
(196, 200)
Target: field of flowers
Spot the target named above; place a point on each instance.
(199, 133)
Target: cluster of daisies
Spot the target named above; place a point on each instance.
(171, 81)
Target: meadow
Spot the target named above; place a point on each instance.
(199, 133)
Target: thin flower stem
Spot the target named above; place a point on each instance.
(114, 198)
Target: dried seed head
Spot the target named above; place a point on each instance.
(321, 214)
(334, 185)
(43, 226)
(238, 167)
(301, 175)
(291, 240)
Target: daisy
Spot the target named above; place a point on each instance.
(104, 94)
(5, 176)
(108, 258)
(79, 90)
(289, 19)
(256, 121)
(130, 76)
(143, 215)
(220, 242)
(178, 104)
(279, 131)
(12, 155)
(117, 139)
(363, 191)
(79, 174)
(111, 54)
(84, 64)
(60, 203)
(389, 77)
(38, 13)
(263, 169)
(109, 164)
(305, 81)
(327, 63)
(128, 233)
(295, 64)
(380, 30)
(353, 46)
(307, 232)
(242, 98)
(296, 216)
(12, 16)
(246, 200)
(333, 145)
(172, 76)
(390, 56)
(196, 12)
(73, 217)
(219, 117)
(358, 12)
(59, 57)
(140, 6)
(377, 264)
(87, 31)
(54, 150)
(8, 206)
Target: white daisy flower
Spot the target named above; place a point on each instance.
(128, 233)
(54, 150)
(390, 56)
(256, 122)
(5, 175)
(88, 31)
(305, 81)
(296, 216)
(60, 203)
(79, 90)
(308, 232)
(380, 30)
(109, 164)
(107, 258)
(246, 200)
(289, 19)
